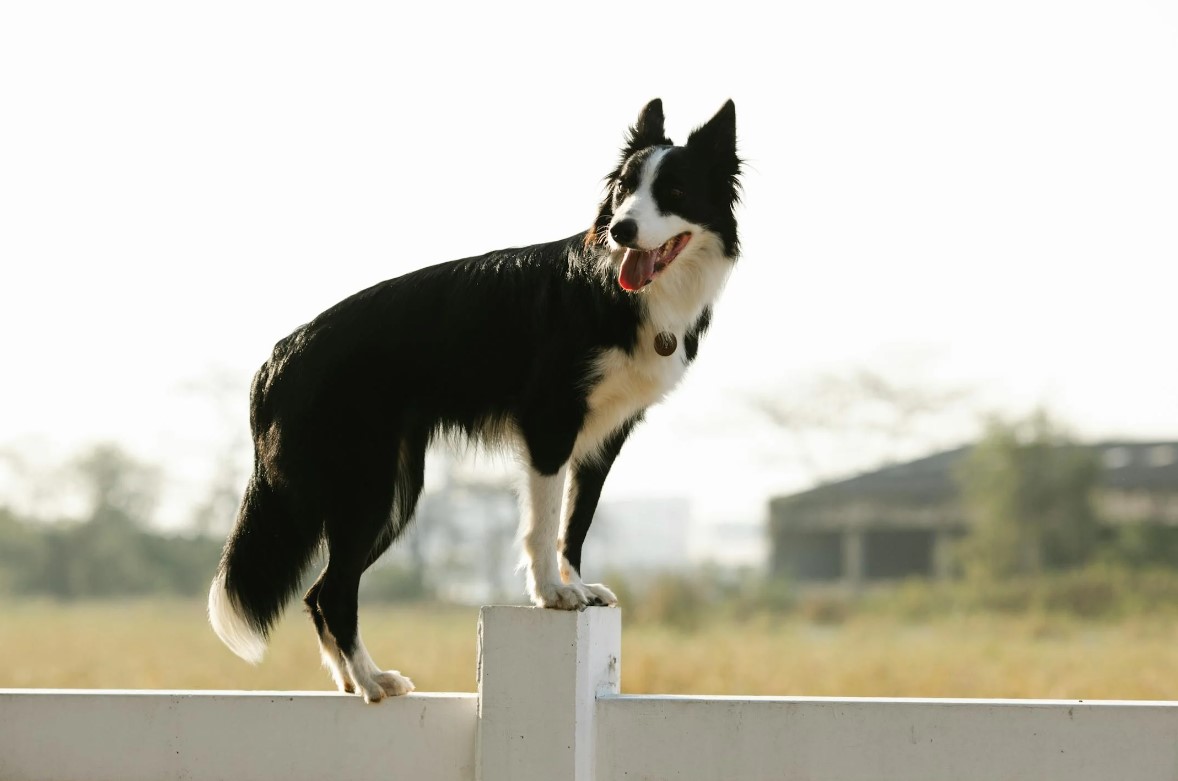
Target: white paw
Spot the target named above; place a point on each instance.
(394, 684)
(599, 594)
(559, 596)
(389, 683)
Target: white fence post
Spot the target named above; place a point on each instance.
(540, 672)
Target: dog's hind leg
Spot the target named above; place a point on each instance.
(329, 651)
(336, 616)
(340, 640)
(355, 540)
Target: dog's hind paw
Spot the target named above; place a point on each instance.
(560, 596)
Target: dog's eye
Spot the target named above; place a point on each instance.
(676, 193)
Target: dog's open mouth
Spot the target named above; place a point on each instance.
(640, 267)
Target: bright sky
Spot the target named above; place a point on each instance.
(991, 187)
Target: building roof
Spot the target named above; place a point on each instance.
(1124, 465)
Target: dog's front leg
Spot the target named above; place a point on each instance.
(542, 516)
(586, 478)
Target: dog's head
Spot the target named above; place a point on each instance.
(665, 201)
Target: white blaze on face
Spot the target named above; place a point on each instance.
(654, 227)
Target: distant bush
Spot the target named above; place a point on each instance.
(1089, 593)
(23, 552)
(687, 600)
(825, 608)
(74, 560)
(678, 601)
(758, 595)
(1097, 592)
(394, 582)
(1142, 545)
(111, 549)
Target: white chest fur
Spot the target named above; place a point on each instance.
(627, 383)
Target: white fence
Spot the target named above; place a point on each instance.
(549, 709)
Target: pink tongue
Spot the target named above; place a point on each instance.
(637, 269)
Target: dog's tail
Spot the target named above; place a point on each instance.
(261, 568)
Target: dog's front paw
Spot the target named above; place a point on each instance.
(559, 596)
(600, 595)
(389, 683)
(394, 684)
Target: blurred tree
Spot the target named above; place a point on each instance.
(104, 554)
(215, 514)
(1028, 492)
(222, 394)
(108, 549)
(22, 553)
(865, 417)
(119, 490)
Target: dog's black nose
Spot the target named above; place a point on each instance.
(624, 232)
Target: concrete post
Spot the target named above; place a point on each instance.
(539, 675)
(942, 554)
(854, 559)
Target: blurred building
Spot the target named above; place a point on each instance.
(735, 543)
(638, 535)
(901, 521)
(464, 540)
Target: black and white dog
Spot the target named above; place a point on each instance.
(555, 350)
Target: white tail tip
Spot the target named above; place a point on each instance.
(230, 625)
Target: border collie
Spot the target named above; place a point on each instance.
(555, 350)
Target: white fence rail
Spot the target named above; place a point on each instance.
(548, 708)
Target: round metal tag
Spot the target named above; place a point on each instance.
(665, 343)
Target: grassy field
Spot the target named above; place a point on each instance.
(168, 645)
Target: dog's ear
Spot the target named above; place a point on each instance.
(648, 130)
(718, 134)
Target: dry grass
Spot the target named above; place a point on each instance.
(982, 656)
(168, 645)
(163, 644)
